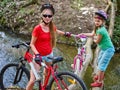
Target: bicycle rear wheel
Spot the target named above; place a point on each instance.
(8, 74)
(67, 81)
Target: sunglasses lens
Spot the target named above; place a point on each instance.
(49, 16)
(45, 16)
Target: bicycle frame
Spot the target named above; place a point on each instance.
(60, 80)
(51, 70)
(79, 58)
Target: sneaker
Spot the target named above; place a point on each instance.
(96, 84)
(95, 78)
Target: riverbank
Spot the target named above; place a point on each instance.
(71, 15)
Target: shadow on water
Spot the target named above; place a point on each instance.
(8, 54)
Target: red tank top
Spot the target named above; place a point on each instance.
(43, 42)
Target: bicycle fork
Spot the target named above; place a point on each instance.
(19, 72)
(18, 75)
(77, 66)
(78, 62)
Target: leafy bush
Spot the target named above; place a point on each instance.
(116, 32)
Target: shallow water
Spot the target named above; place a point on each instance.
(112, 74)
(8, 54)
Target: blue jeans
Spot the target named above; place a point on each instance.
(104, 58)
(47, 59)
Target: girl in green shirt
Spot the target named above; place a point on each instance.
(102, 38)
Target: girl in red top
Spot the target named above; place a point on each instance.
(43, 40)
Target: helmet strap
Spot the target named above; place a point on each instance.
(45, 22)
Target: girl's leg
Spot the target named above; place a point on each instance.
(32, 77)
(31, 82)
(46, 71)
(101, 76)
(103, 61)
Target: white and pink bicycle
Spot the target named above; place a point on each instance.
(79, 59)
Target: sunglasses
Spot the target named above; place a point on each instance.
(45, 15)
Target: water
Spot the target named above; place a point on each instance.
(112, 74)
(8, 54)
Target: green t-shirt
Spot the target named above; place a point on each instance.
(106, 40)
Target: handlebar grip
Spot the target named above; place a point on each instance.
(16, 46)
(24, 44)
(28, 43)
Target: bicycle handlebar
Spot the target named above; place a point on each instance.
(83, 38)
(26, 44)
(78, 36)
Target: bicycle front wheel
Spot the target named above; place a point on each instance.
(67, 81)
(13, 76)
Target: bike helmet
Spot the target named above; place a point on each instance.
(48, 6)
(102, 14)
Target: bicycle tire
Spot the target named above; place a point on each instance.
(72, 81)
(77, 66)
(8, 74)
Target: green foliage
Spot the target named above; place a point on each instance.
(4, 2)
(24, 11)
(3, 12)
(2, 20)
(116, 33)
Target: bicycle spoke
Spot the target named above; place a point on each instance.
(9, 75)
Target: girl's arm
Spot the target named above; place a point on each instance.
(98, 38)
(32, 45)
(88, 34)
(60, 32)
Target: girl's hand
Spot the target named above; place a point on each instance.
(95, 38)
(67, 34)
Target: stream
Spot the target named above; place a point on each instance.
(8, 54)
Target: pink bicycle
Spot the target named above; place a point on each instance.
(17, 75)
(79, 59)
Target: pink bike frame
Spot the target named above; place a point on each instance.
(81, 52)
(79, 56)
